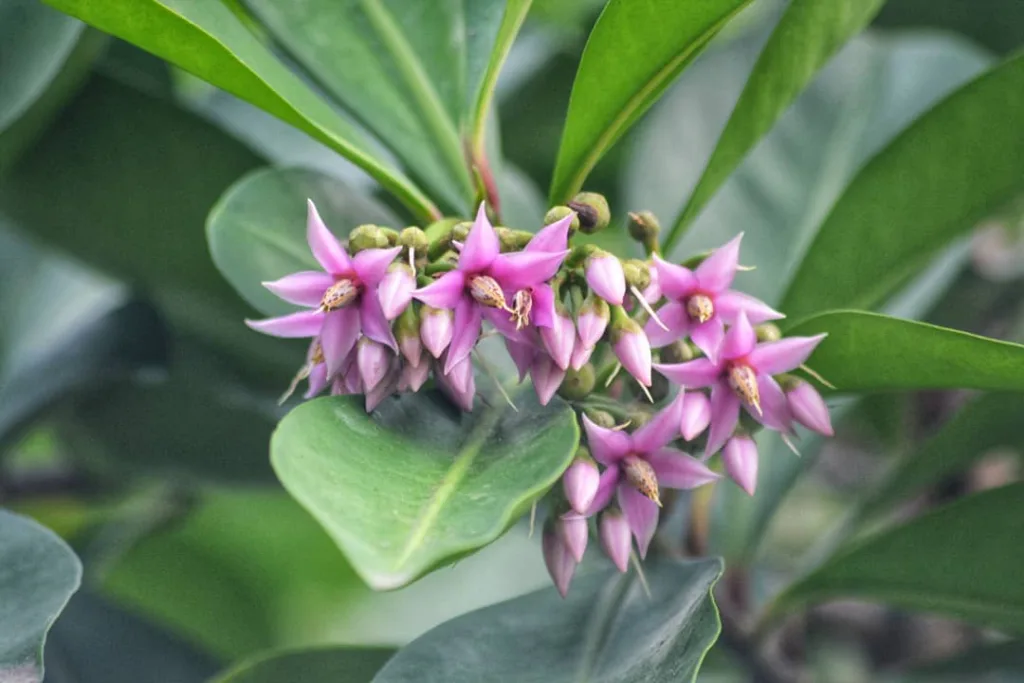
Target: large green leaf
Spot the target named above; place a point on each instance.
(257, 231)
(210, 41)
(950, 168)
(807, 36)
(317, 665)
(38, 573)
(634, 52)
(867, 352)
(417, 483)
(962, 560)
(606, 631)
(986, 423)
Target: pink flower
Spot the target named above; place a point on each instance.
(478, 287)
(342, 299)
(700, 301)
(639, 464)
(395, 290)
(742, 375)
(696, 415)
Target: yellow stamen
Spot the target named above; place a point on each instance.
(641, 475)
(743, 381)
(486, 290)
(700, 308)
(340, 294)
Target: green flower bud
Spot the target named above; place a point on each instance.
(408, 324)
(638, 273)
(391, 235)
(506, 238)
(677, 352)
(578, 384)
(367, 237)
(644, 227)
(460, 231)
(583, 454)
(439, 236)
(415, 239)
(600, 417)
(593, 211)
(768, 332)
(557, 213)
(639, 417)
(522, 238)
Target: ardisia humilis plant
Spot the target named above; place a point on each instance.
(611, 361)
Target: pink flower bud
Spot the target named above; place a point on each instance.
(459, 385)
(414, 376)
(605, 276)
(559, 339)
(373, 360)
(436, 329)
(546, 376)
(411, 347)
(580, 484)
(809, 408)
(696, 415)
(580, 354)
(574, 531)
(592, 320)
(740, 458)
(386, 387)
(395, 291)
(348, 380)
(561, 566)
(631, 346)
(616, 538)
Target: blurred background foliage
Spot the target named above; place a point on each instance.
(136, 409)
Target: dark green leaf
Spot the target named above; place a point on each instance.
(320, 665)
(807, 36)
(417, 483)
(257, 231)
(949, 169)
(993, 663)
(208, 40)
(38, 573)
(607, 631)
(867, 352)
(962, 560)
(996, 24)
(634, 52)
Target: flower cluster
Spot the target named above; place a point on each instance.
(389, 311)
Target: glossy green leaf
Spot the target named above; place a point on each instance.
(961, 560)
(418, 483)
(867, 352)
(606, 631)
(208, 40)
(949, 169)
(634, 52)
(38, 573)
(986, 423)
(257, 231)
(996, 24)
(324, 664)
(808, 35)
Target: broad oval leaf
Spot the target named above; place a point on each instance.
(866, 352)
(257, 231)
(949, 169)
(606, 631)
(418, 483)
(962, 560)
(634, 52)
(38, 573)
(806, 37)
(208, 40)
(317, 665)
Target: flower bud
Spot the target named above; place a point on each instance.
(593, 211)
(557, 558)
(391, 235)
(367, 237)
(521, 238)
(644, 228)
(638, 274)
(696, 415)
(436, 329)
(395, 291)
(575, 534)
(580, 354)
(638, 417)
(578, 384)
(506, 239)
(547, 377)
(768, 332)
(459, 385)
(592, 319)
(605, 277)
(460, 231)
(414, 376)
(557, 213)
(387, 386)
(616, 538)
(740, 459)
(407, 332)
(415, 239)
(600, 417)
(809, 408)
(373, 360)
(439, 236)
(560, 337)
(580, 481)
(677, 352)
(631, 346)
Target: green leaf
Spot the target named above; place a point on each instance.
(961, 560)
(319, 665)
(208, 40)
(986, 423)
(807, 36)
(606, 631)
(634, 52)
(419, 483)
(257, 231)
(867, 352)
(38, 573)
(949, 169)
(992, 663)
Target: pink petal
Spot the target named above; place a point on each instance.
(634, 352)
(559, 339)
(543, 313)
(616, 540)
(444, 292)
(674, 315)
(523, 269)
(575, 534)
(784, 355)
(675, 282)
(605, 490)
(468, 320)
(305, 288)
(641, 514)
(605, 277)
(677, 470)
(414, 376)
(661, 429)
(725, 415)
(579, 482)
(774, 406)
(341, 330)
(608, 446)
(547, 377)
(653, 291)
(317, 380)
(388, 386)
(371, 265)
(740, 459)
(554, 237)
(558, 560)
(693, 374)
(436, 329)
(522, 355)
(739, 340)
(591, 326)
(502, 322)
(696, 415)
(809, 409)
(729, 303)
(482, 245)
(373, 360)
(295, 325)
(461, 395)
(461, 375)
(708, 337)
(325, 246)
(718, 270)
(412, 348)
(395, 291)
(580, 354)
(375, 325)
